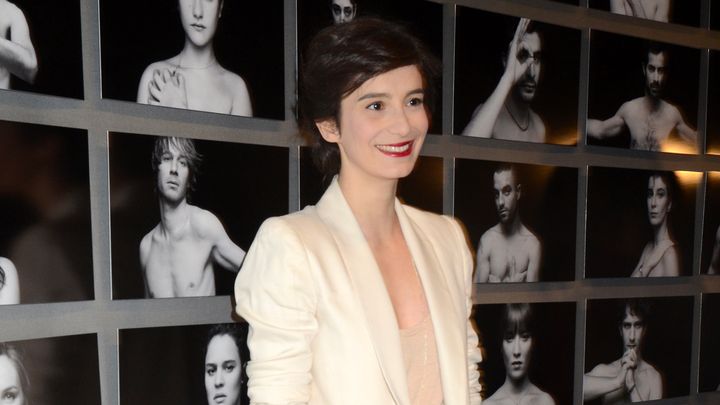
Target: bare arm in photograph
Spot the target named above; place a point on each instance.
(683, 129)
(17, 54)
(607, 380)
(10, 287)
(657, 10)
(534, 250)
(225, 252)
(483, 120)
(714, 267)
(610, 127)
(161, 86)
(482, 270)
(658, 261)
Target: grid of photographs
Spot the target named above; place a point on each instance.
(601, 165)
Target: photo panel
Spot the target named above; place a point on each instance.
(46, 37)
(709, 379)
(45, 236)
(50, 371)
(713, 107)
(640, 223)
(521, 219)
(653, 336)
(217, 56)
(686, 12)
(422, 18)
(541, 105)
(710, 261)
(208, 365)
(534, 341)
(423, 188)
(643, 94)
(192, 206)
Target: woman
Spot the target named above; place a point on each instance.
(223, 365)
(13, 379)
(361, 299)
(659, 258)
(194, 79)
(9, 285)
(517, 346)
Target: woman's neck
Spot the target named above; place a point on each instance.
(661, 233)
(193, 57)
(372, 202)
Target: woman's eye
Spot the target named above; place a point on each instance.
(416, 101)
(376, 106)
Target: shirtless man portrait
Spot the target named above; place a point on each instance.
(343, 10)
(649, 119)
(509, 251)
(194, 79)
(629, 378)
(179, 254)
(17, 54)
(507, 113)
(656, 10)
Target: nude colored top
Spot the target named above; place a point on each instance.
(421, 363)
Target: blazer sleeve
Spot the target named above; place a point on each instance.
(275, 294)
(473, 350)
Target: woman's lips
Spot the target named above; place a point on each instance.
(396, 149)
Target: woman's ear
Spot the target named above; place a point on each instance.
(328, 129)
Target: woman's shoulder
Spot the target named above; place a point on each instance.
(437, 224)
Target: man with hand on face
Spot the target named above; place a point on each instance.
(630, 378)
(649, 118)
(17, 54)
(343, 10)
(507, 114)
(178, 255)
(509, 251)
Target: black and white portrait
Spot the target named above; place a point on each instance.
(710, 263)
(50, 371)
(515, 79)
(216, 56)
(422, 17)
(685, 12)
(709, 379)
(423, 188)
(45, 215)
(642, 94)
(640, 223)
(208, 365)
(40, 47)
(713, 107)
(521, 344)
(184, 212)
(520, 217)
(637, 349)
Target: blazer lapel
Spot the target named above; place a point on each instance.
(451, 343)
(370, 288)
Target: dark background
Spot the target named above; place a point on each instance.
(55, 33)
(248, 41)
(685, 12)
(45, 211)
(551, 364)
(548, 207)
(714, 15)
(166, 365)
(713, 112)
(422, 18)
(616, 76)
(709, 348)
(481, 40)
(711, 219)
(667, 343)
(618, 227)
(241, 184)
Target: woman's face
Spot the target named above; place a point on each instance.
(199, 20)
(11, 392)
(223, 376)
(658, 201)
(382, 126)
(516, 354)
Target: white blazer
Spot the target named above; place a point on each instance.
(322, 326)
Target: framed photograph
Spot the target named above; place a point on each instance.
(709, 380)
(527, 343)
(643, 94)
(521, 218)
(45, 215)
(50, 371)
(423, 18)
(640, 223)
(46, 37)
(713, 112)
(423, 188)
(208, 365)
(184, 212)
(686, 12)
(710, 263)
(539, 105)
(216, 56)
(643, 344)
